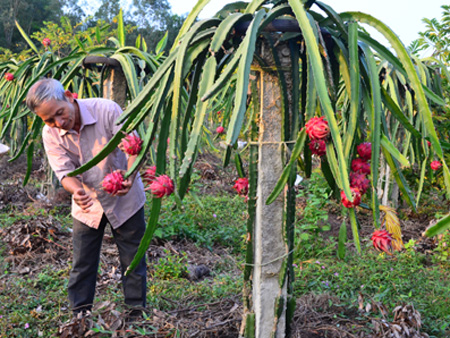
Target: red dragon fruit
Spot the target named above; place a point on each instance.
(149, 175)
(435, 165)
(241, 186)
(361, 166)
(9, 77)
(364, 150)
(220, 130)
(317, 128)
(382, 241)
(356, 198)
(113, 182)
(132, 144)
(75, 95)
(359, 181)
(46, 42)
(318, 147)
(162, 186)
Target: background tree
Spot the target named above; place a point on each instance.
(435, 40)
(107, 10)
(29, 14)
(152, 19)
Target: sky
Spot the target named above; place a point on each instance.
(404, 17)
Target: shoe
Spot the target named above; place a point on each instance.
(134, 315)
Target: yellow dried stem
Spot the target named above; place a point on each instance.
(392, 223)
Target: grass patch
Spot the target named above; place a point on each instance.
(206, 220)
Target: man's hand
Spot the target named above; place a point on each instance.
(83, 200)
(127, 184)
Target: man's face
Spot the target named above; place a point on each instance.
(58, 114)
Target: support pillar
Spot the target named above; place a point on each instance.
(269, 294)
(115, 86)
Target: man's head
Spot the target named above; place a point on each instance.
(55, 106)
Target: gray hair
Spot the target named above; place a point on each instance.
(44, 90)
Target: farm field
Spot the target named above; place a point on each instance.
(196, 262)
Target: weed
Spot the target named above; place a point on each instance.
(171, 266)
(442, 250)
(219, 220)
(313, 217)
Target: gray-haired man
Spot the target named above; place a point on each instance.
(75, 131)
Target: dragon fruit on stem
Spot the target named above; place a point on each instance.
(9, 76)
(317, 128)
(364, 150)
(113, 182)
(132, 144)
(46, 42)
(360, 181)
(356, 198)
(149, 175)
(361, 166)
(162, 186)
(382, 241)
(435, 165)
(241, 186)
(318, 147)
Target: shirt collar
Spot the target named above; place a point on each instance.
(85, 116)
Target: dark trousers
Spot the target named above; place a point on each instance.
(87, 243)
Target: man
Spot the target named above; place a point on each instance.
(74, 132)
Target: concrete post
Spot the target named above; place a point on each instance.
(270, 243)
(115, 86)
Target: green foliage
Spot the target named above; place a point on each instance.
(170, 266)
(436, 37)
(65, 38)
(313, 216)
(442, 251)
(219, 220)
(30, 14)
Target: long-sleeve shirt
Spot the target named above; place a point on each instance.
(68, 150)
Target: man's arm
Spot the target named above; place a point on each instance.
(75, 188)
